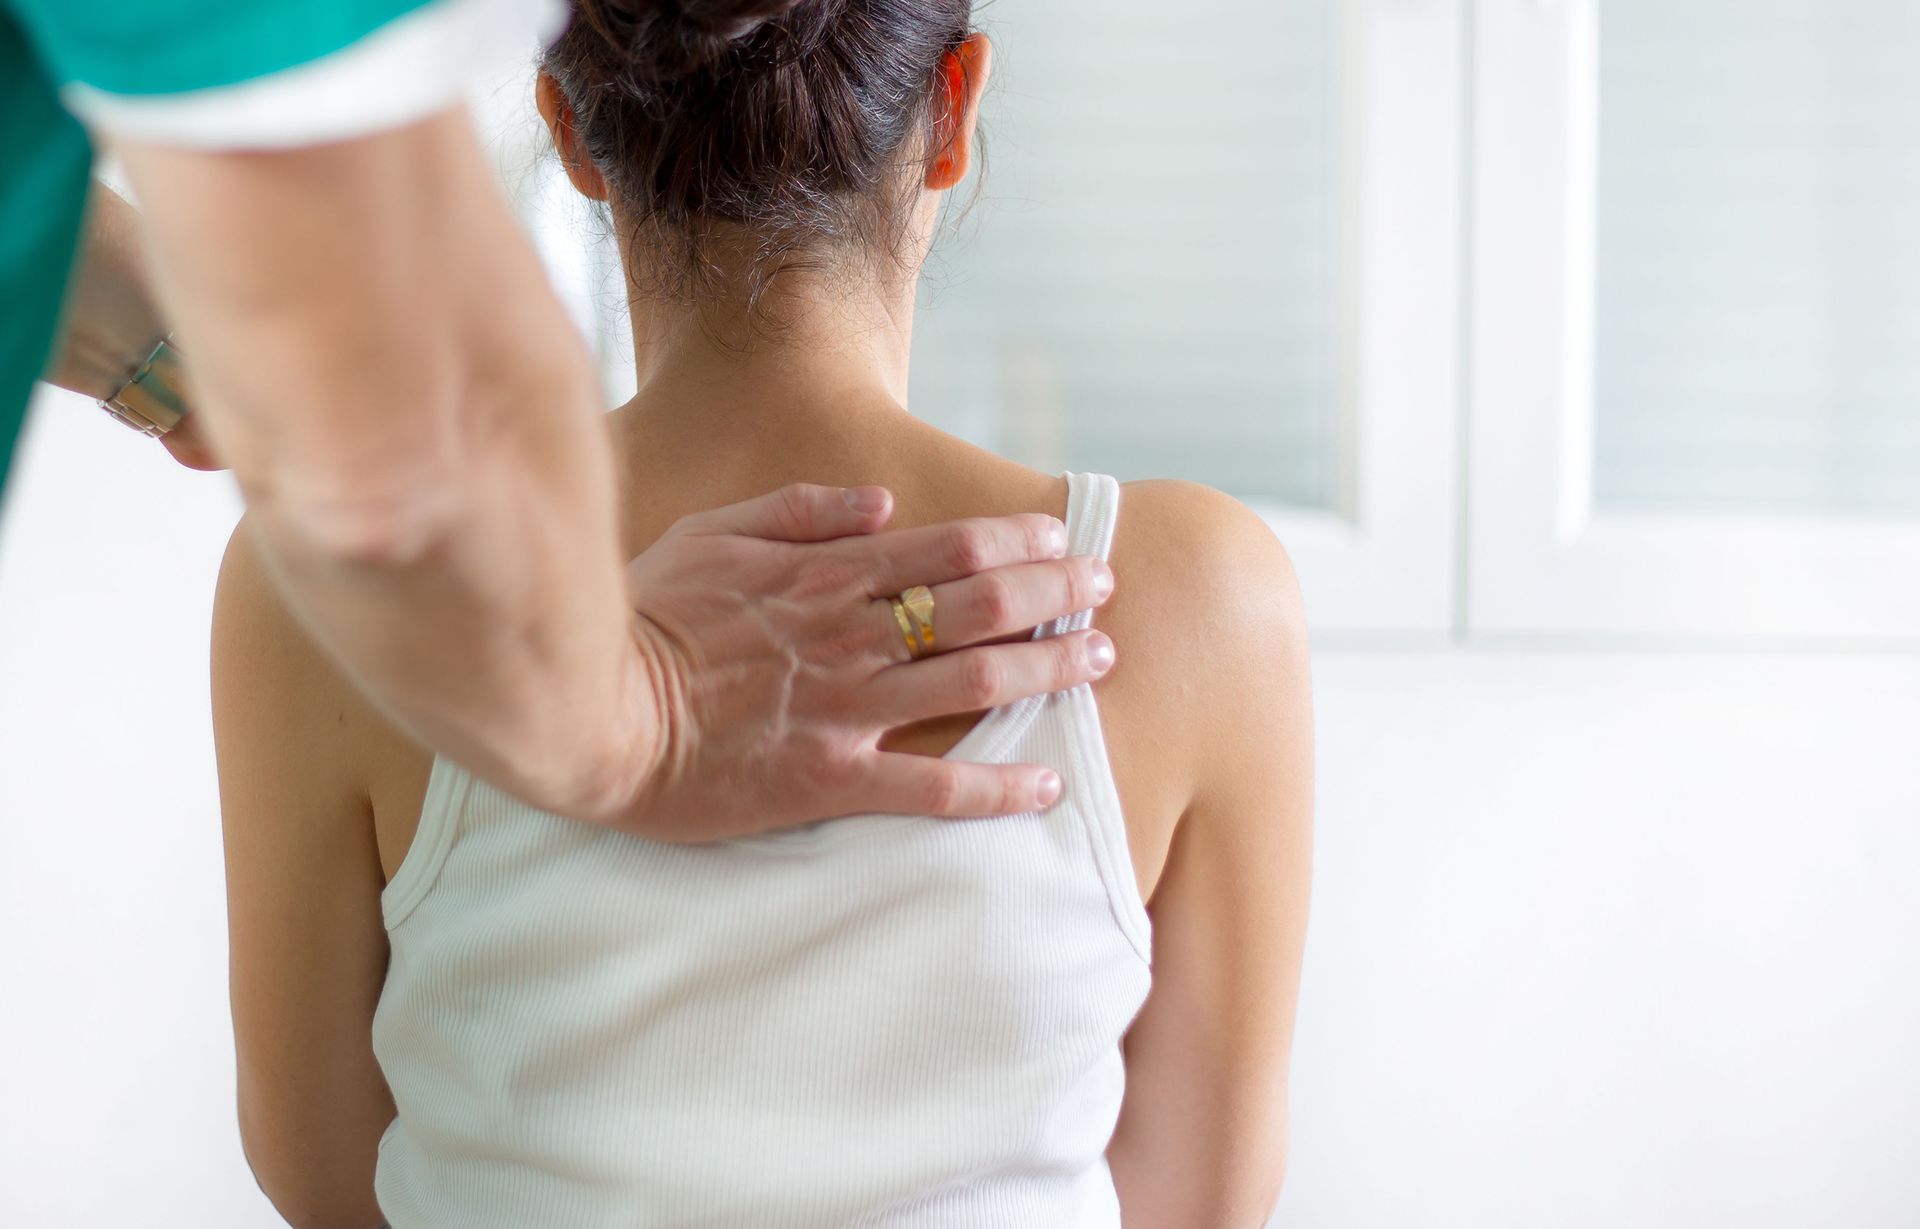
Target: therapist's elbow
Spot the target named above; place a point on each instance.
(366, 504)
(386, 523)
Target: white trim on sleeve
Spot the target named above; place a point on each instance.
(415, 65)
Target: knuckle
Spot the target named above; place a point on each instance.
(794, 506)
(691, 523)
(996, 601)
(1079, 587)
(969, 548)
(943, 791)
(981, 678)
(1069, 663)
(824, 575)
(1009, 794)
(833, 768)
(1039, 536)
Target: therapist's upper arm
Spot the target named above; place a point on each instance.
(325, 233)
(335, 299)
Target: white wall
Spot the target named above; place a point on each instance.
(1605, 939)
(1599, 939)
(116, 1082)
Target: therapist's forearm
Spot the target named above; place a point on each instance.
(416, 427)
(112, 321)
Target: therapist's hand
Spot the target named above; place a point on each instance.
(775, 662)
(187, 444)
(418, 432)
(112, 321)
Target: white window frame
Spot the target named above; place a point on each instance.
(1382, 559)
(1541, 556)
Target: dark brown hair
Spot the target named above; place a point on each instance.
(777, 132)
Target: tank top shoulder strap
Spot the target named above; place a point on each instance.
(1093, 509)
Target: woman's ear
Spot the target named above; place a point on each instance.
(558, 112)
(956, 104)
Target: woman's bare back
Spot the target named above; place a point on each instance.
(671, 466)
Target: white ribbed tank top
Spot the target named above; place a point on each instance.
(877, 1021)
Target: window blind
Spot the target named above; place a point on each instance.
(1146, 284)
(1758, 277)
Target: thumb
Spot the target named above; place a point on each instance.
(801, 512)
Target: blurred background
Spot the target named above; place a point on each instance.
(1573, 346)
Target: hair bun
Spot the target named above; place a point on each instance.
(729, 19)
(661, 40)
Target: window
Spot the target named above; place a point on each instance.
(1149, 250)
(1610, 329)
(1230, 260)
(1693, 378)
(1758, 257)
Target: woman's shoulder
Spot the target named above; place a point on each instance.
(1210, 634)
(282, 705)
(1207, 526)
(1208, 569)
(259, 645)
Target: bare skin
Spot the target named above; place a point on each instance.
(416, 428)
(114, 320)
(1206, 718)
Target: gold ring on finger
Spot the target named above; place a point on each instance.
(919, 603)
(906, 627)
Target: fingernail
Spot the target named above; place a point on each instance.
(1102, 581)
(865, 499)
(1100, 653)
(1049, 788)
(1057, 539)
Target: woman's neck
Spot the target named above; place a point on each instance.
(812, 350)
(818, 395)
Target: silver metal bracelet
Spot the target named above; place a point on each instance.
(155, 398)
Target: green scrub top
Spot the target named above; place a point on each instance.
(131, 49)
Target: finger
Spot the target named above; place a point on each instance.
(988, 677)
(800, 512)
(1016, 599)
(185, 443)
(938, 553)
(921, 785)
